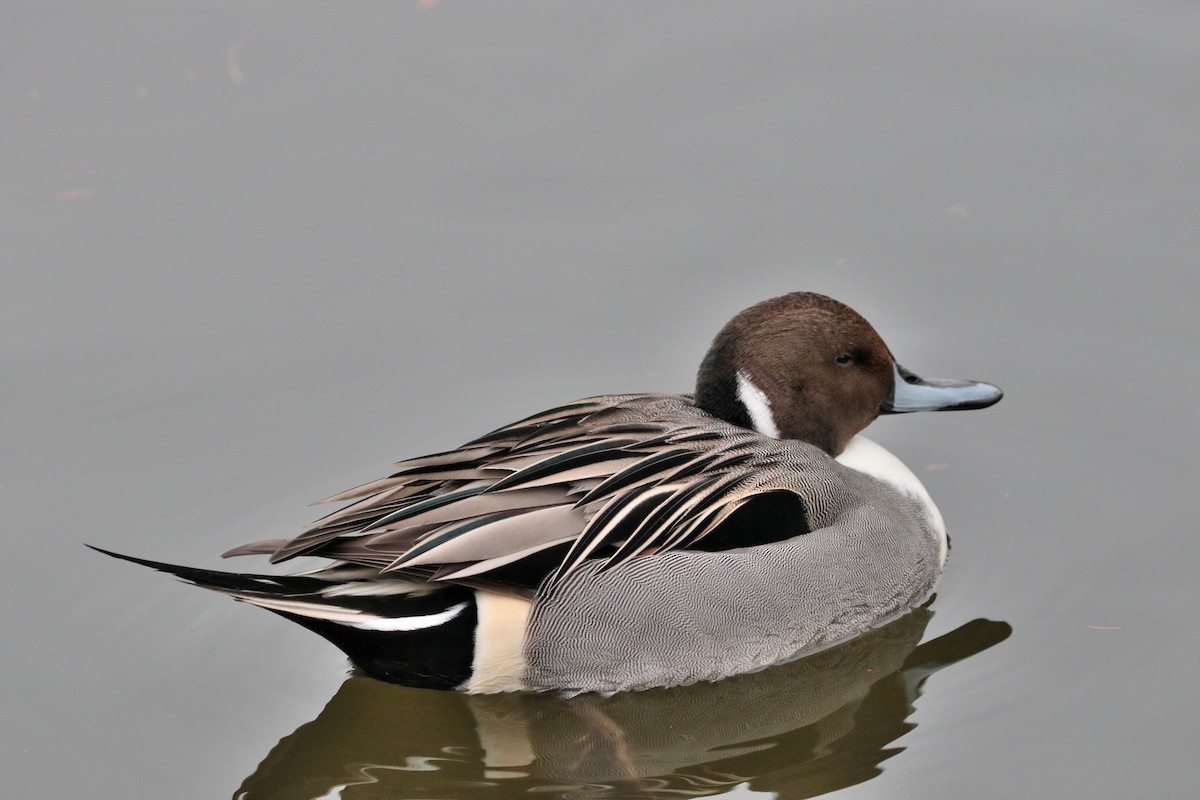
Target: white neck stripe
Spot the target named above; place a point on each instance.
(757, 406)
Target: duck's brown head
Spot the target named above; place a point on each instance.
(804, 366)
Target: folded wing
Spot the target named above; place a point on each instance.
(606, 478)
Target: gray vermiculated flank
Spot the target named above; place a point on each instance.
(681, 617)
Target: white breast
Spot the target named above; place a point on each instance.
(867, 457)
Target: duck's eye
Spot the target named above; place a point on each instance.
(844, 358)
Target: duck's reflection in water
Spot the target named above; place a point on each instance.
(800, 730)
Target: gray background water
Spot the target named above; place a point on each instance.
(251, 253)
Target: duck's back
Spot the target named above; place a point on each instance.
(608, 478)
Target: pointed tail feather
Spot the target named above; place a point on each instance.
(393, 628)
(231, 583)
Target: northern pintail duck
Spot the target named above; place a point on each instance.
(637, 540)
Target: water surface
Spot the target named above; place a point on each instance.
(251, 254)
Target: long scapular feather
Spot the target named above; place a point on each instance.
(437, 501)
(376, 504)
(264, 547)
(672, 517)
(481, 568)
(561, 462)
(464, 455)
(645, 469)
(573, 410)
(650, 531)
(479, 505)
(494, 536)
(699, 507)
(605, 528)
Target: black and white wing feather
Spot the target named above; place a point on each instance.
(605, 478)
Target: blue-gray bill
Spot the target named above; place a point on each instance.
(914, 393)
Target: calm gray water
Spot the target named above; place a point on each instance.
(252, 253)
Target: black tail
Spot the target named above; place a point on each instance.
(392, 628)
(231, 583)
